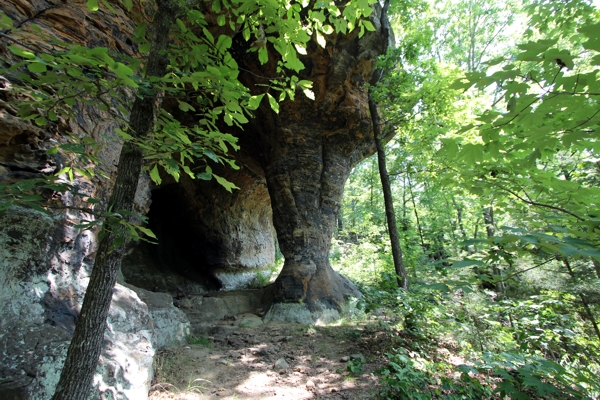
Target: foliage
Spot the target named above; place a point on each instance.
(525, 152)
(355, 367)
(51, 85)
(494, 168)
(514, 357)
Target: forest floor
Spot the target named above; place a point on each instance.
(275, 360)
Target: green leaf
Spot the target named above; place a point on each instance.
(36, 67)
(155, 175)
(147, 232)
(368, 25)
(254, 101)
(467, 263)
(539, 46)
(5, 22)
(205, 176)
(92, 5)
(210, 154)
(21, 53)
(181, 25)
(263, 55)
(321, 40)
(41, 121)
(225, 183)
(274, 104)
(121, 70)
(183, 106)
(208, 36)
(223, 43)
(461, 84)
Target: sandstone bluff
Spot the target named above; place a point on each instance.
(293, 168)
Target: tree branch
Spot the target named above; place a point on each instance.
(542, 205)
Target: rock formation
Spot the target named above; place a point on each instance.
(45, 261)
(307, 151)
(293, 168)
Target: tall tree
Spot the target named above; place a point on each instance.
(402, 277)
(78, 371)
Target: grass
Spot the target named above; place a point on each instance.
(199, 341)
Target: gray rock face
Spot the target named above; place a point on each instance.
(280, 364)
(300, 314)
(44, 267)
(307, 151)
(170, 325)
(209, 238)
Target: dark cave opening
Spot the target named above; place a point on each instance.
(178, 263)
(208, 238)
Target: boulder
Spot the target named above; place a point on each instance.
(45, 265)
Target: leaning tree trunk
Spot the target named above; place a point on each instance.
(78, 371)
(402, 278)
(390, 213)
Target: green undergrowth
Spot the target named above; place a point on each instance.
(458, 345)
(199, 341)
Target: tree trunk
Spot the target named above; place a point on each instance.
(459, 211)
(596, 267)
(78, 371)
(388, 200)
(412, 198)
(488, 219)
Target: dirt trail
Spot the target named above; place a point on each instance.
(245, 359)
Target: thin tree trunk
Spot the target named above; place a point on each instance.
(586, 306)
(596, 267)
(371, 188)
(404, 197)
(388, 200)
(488, 219)
(459, 218)
(412, 198)
(383, 174)
(82, 357)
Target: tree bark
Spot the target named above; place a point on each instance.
(388, 200)
(83, 353)
(412, 198)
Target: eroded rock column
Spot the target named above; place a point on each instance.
(307, 151)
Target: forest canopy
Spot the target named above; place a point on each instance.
(494, 170)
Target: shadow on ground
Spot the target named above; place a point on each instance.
(241, 359)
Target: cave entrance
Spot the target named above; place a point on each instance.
(178, 263)
(208, 239)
